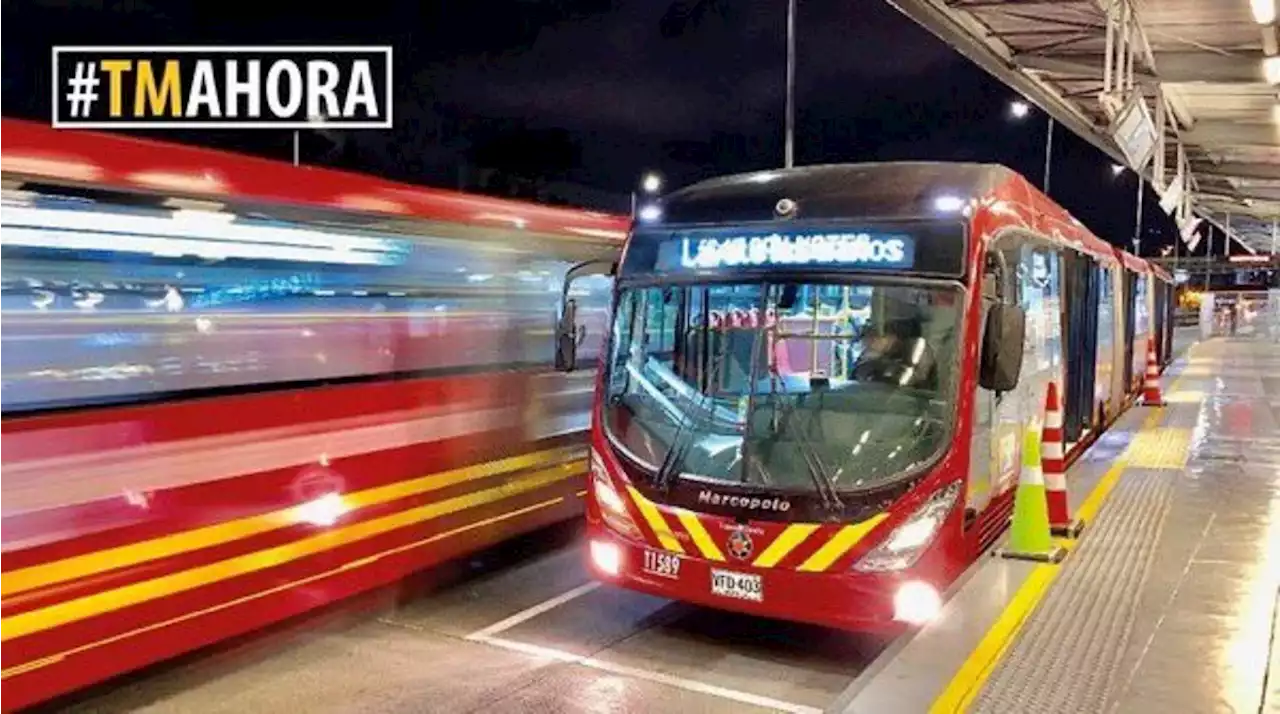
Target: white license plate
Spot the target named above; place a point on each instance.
(742, 586)
(662, 564)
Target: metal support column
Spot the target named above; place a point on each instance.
(1137, 220)
(789, 150)
(1048, 155)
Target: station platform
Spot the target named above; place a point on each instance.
(1167, 602)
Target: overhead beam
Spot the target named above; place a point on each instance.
(951, 21)
(1176, 67)
(1237, 169)
(1211, 133)
(1236, 68)
(962, 32)
(1075, 65)
(1248, 185)
(1259, 209)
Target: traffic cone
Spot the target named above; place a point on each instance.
(1053, 457)
(1151, 396)
(1030, 538)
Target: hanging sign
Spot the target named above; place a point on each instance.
(1134, 132)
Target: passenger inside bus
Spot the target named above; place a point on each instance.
(897, 353)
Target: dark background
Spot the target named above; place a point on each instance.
(569, 101)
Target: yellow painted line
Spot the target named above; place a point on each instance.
(793, 536)
(137, 593)
(164, 546)
(977, 668)
(981, 662)
(60, 656)
(701, 538)
(840, 544)
(656, 521)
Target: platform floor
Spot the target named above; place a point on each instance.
(1166, 603)
(518, 629)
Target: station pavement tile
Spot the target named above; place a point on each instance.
(497, 586)
(573, 689)
(795, 663)
(370, 667)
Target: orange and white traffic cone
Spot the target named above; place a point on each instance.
(1053, 458)
(1151, 396)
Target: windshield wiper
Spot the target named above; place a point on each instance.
(818, 472)
(680, 444)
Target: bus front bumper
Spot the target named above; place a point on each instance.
(884, 603)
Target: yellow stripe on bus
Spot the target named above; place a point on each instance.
(701, 538)
(62, 613)
(164, 546)
(840, 544)
(793, 536)
(258, 595)
(656, 521)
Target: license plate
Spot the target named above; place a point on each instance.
(742, 586)
(662, 564)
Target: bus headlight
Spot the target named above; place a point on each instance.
(607, 557)
(905, 544)
(613, 508)
(916, 603)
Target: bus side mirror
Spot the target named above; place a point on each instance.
(1002, 345)
(568, 337)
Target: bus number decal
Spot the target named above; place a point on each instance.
(662, 564)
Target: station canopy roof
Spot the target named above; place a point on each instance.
(1204, 72)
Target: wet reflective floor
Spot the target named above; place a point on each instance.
(1204, 637)
(1172, 607)
(521, 629)
(1169, 601)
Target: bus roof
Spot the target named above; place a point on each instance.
(913, 190)
(869, 190)
(37, 152)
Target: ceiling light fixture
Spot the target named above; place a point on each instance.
(1264, 11)
(1271, 69)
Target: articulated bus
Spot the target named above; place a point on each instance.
(811, 400)
(235, 390)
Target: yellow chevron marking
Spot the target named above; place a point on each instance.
(700, 536)
(656, 521)
(840, 544)
(793, 536)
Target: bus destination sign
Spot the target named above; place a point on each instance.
(814, 248)
(918, 248)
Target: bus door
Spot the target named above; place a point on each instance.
(1130, 316)
(1080, 300)
(1159, 296)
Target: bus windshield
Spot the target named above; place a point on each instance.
(839, 386)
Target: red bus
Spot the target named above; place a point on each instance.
(810, 402)
(235, 390)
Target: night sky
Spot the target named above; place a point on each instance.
(595, 92)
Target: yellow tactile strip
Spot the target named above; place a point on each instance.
(1159, 448)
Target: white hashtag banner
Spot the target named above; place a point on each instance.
(82, 89)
